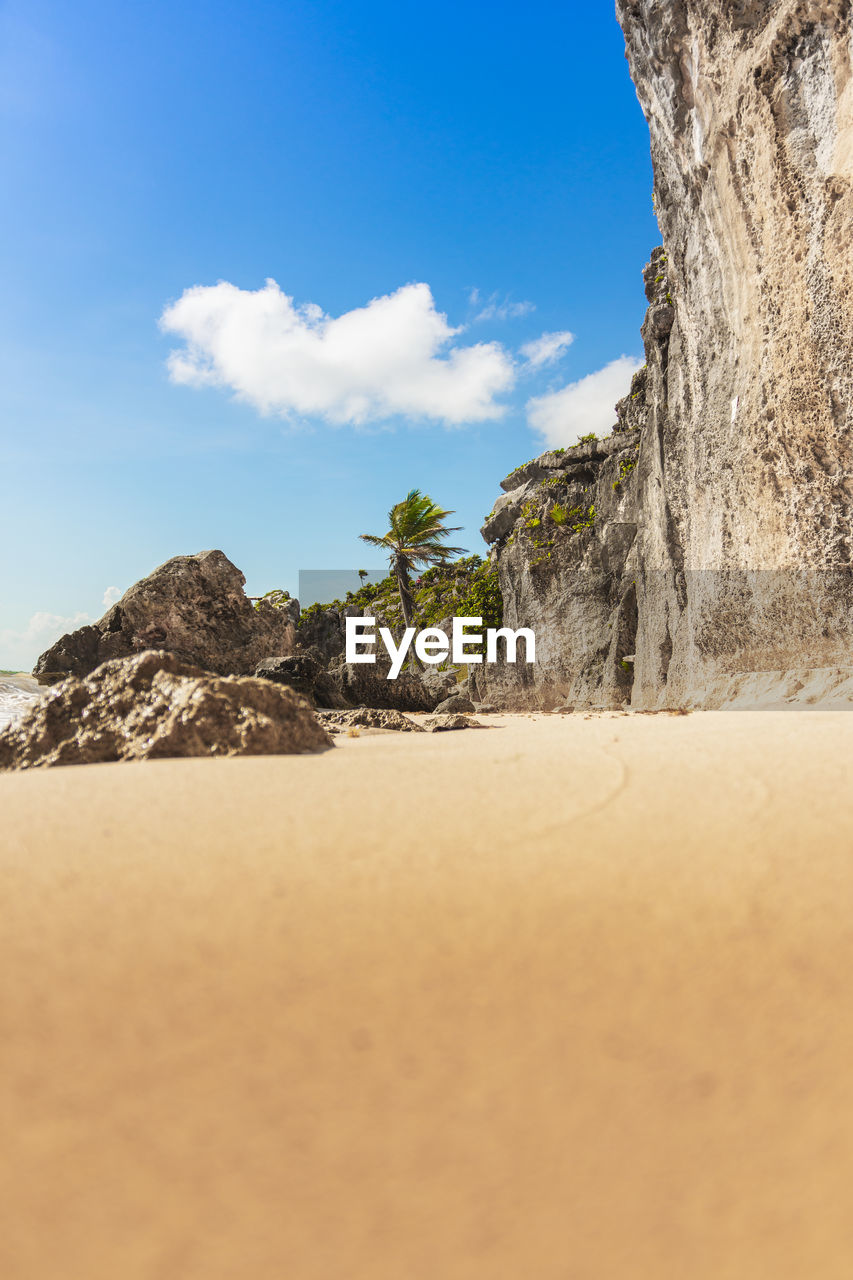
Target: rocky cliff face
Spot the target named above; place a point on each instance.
(738, 511)
(747, 473)
(566, 538)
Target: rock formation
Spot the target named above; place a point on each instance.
(305, 674)
(566, 572)
(367, 685)
(152, 706)
(457, 703)
(321, 631)
(746, 469)
(369, 718)
(346, 685)
(724, 552)
(193, 607)
(443, 723)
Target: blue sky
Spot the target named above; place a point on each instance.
(496, 157)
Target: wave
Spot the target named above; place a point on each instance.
(17, 695)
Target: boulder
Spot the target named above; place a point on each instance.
(367, 718)
(303, 673)
(456, 703)
(349, 685)
(439, 724)
(322, 631)
(193, 607)
(440, 684)
(152, 706)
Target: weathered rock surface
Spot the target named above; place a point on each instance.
(714, 540)
(440, 684)
(457, 702)
(367, 685)
(346, 685)
(193, 607)
(152, 706)
(367, 718)
(566, 572)
(442, 723)
(322, 631)
(303, 673)
(746, 468)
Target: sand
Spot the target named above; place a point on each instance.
(565, 998)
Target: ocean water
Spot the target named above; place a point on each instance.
(17, 694)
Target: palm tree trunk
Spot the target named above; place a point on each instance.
(407, 604)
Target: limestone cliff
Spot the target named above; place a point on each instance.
(565, 535)
(741, 499)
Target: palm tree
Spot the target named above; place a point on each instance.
(416, 537)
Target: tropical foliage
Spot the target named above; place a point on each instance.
(462, 588)
(415, 539)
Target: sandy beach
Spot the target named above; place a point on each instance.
(564, 997)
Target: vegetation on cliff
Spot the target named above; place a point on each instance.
(416, 538)
(464, 588)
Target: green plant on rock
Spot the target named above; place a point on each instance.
(468, 587)
(483, 598)
(528, 512)
(559, 514)
(314, 610)
(582, 519)
(278, 598)
(588, 439)
(626, 466)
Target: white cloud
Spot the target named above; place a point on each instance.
(562, 417)
(496, 310)
(393, 356)
(111, 595)
(20, 649)
(548, 347)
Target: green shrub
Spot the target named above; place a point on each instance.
(626, 466)
(582, 519)
(278, 598)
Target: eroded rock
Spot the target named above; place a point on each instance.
(442, 723)
(306, 675)
(193, 607)
(366, 684)
(152, 706)
(457, 702)
(367, 718)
